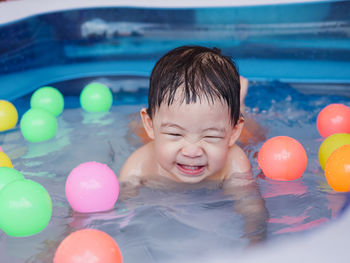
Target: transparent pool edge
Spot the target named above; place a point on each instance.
(323, 244)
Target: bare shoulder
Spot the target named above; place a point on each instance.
(238, 161)
(138, 164)
(238, 172)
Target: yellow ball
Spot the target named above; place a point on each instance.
(5, 160)
(330, 144)
(8, 115)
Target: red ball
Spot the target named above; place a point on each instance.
(282, 158)
(334, 118)
(88, 245)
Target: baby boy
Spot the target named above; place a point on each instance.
(193, 121)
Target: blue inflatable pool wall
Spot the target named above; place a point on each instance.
(296, 43)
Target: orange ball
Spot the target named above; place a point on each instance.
(334, 118)
(88, 245)
(282, 158)
(337, 169)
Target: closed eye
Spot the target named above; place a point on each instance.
(173, 134)
(213, 138)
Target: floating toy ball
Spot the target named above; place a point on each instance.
(337, 170)
(334, 118)
(8, 115)
(25, 207)
(48, 98)
(330, 144)
(88, 245)
(96, 97)
(38, 125)
(92, 187)
(8, 175)
(5, 160)
(282, 158)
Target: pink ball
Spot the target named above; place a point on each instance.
(92, 187)
(334, 118)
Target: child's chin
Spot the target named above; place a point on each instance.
(190, 179)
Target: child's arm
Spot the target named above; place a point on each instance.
(130, 176)
(244, 91)
(249, 204)
(252, 132)
(138, 170)
(136, 127)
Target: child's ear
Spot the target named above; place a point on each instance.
(236, 132)
(147, 123)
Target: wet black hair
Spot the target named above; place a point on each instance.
(199, 72)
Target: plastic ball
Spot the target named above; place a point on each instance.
(48, 98)
(337, 169)
(8, 175)
(96, 97)
(330, 144)
(25, 207)
(334, 118)
(8, 115)
(5, 160)
(38, 125)
(282, 158)
(88, 245)
(92, 187)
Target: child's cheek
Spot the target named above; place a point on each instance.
(166, 150)
(217, 156)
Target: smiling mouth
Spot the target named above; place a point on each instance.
(191, 170)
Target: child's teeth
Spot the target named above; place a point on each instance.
(191, 167)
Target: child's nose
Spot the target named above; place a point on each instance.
(192, 150)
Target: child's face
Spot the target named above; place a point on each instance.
(192, 141)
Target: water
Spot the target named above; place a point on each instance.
(178, 222)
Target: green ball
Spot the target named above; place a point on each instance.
(330, 144)
(26, 208)
(38, 125)
(8, 175)
(96, 97)
(48, 98)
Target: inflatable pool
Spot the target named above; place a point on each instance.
(295, 42)
(296, 55)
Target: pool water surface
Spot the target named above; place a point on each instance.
(179, 222)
